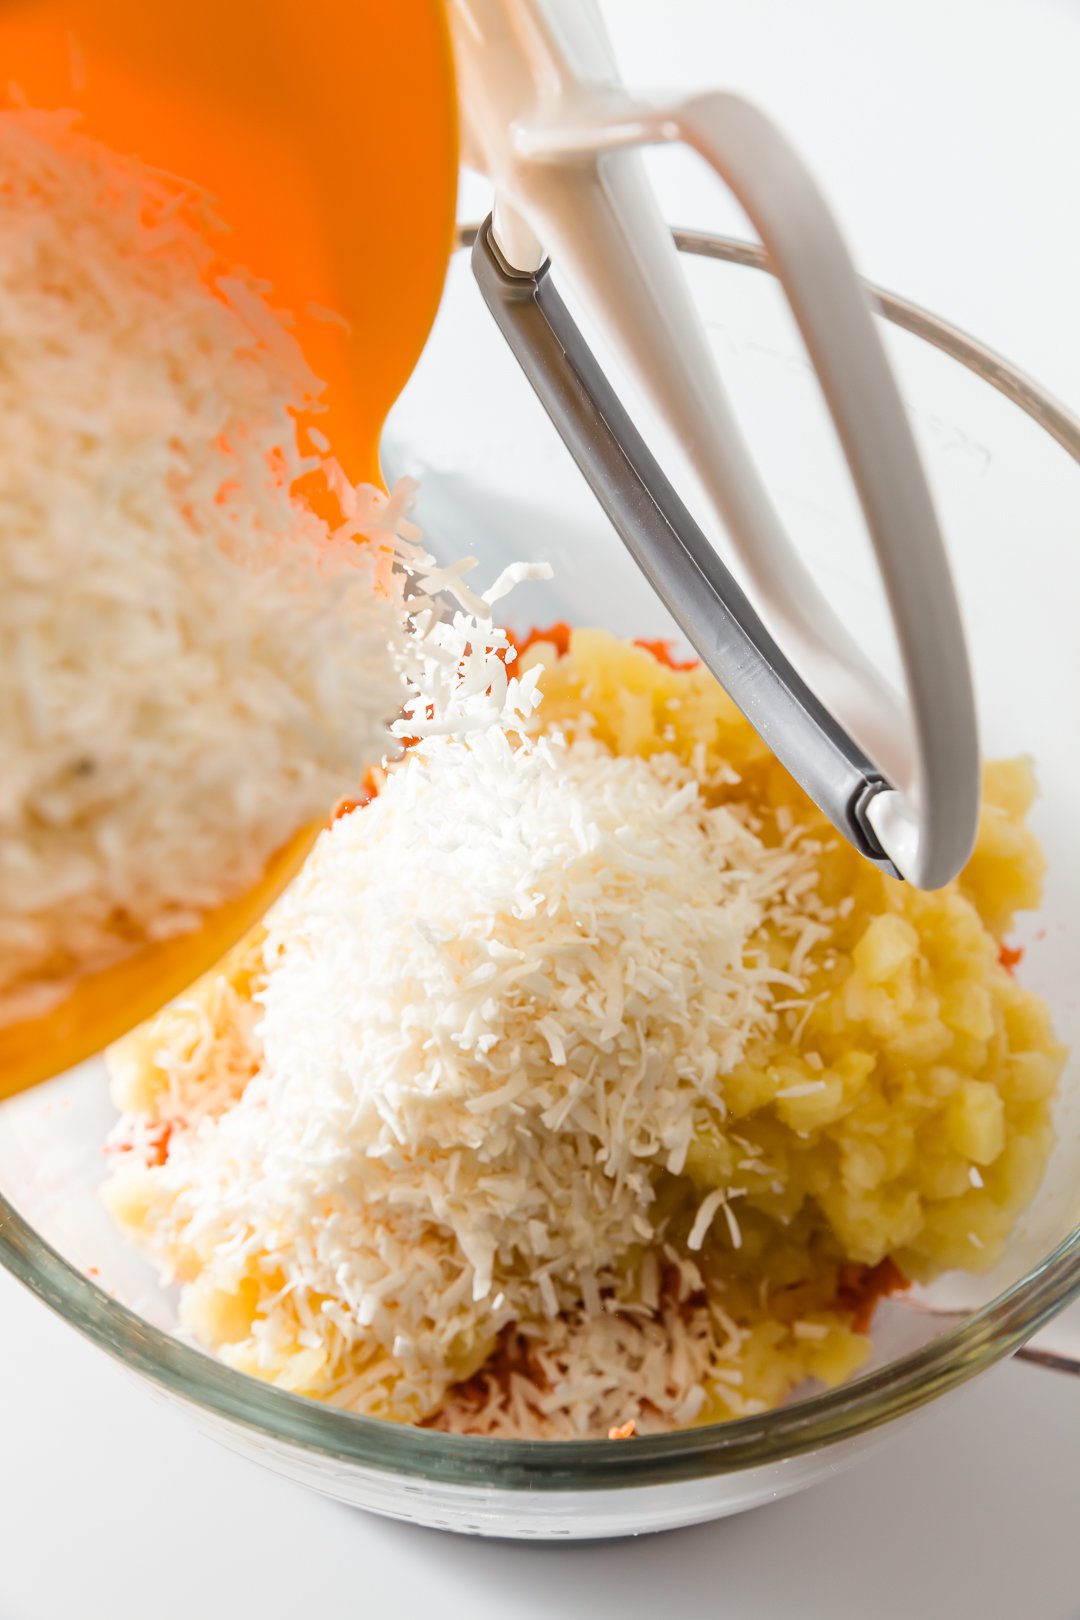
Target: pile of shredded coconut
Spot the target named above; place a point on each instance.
(196, 664)
(579, 1085)
(499, 1001)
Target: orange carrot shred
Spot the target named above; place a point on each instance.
(558, 635)
(661, 651)
(369, 789)
(861, 1288)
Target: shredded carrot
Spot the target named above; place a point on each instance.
(557, 634)
(861, 1288)
(156, 1143)
(661, 651)
(345, 807)
(625, 1431)
(369, 789)
(1010, 955)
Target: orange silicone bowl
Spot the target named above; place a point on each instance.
(326, 134)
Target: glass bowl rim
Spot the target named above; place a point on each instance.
(852, 1409)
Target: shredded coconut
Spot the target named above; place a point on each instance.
(587, 1374)
(196, 663)
(497, 999)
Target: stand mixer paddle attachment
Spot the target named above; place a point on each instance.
(548, 120)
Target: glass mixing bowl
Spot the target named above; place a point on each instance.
(1002, 460)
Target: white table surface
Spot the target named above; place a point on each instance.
(947, 133)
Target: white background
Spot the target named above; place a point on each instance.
(947, 133)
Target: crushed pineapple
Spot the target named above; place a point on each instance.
(915, 1055)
